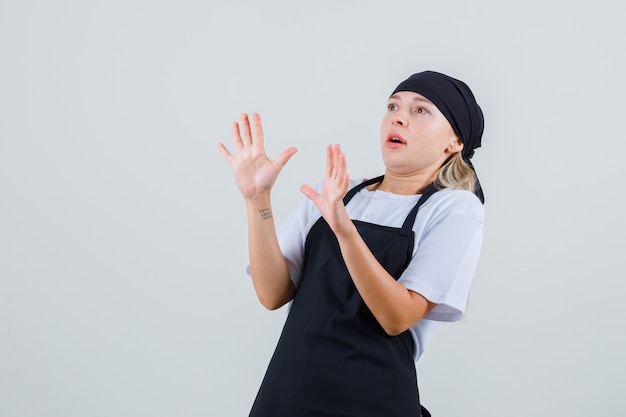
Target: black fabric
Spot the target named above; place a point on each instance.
(478, 189)
(333, 358)
(457, 103)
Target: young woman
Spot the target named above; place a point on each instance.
(370, 267)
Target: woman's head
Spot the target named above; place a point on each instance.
(456, 102)
(416, 137)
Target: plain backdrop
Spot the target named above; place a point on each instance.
(123, 237)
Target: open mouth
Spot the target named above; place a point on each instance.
(396, 139)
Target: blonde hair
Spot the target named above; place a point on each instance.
(455, 174)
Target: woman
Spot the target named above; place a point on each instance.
(370, 266)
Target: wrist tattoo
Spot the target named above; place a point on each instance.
(265, 213)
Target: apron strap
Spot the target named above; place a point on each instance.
(407, 227)
(360, 186)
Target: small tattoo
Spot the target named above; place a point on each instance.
(265, 213)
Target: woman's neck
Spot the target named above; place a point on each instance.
(403, 184)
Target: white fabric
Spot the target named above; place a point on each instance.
(448, 236)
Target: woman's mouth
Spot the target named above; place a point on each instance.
(394, 140)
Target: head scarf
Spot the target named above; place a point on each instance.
(457, 103)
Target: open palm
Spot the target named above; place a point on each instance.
(336, 182)
(254, 172)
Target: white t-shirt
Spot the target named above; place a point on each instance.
(448, 237)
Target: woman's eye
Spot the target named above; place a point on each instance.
(391, 106)
(420, 110)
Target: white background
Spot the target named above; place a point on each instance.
(122, 234)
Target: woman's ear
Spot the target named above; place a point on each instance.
(455, 145)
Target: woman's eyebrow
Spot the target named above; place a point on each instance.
(415, 98)
(422, 100)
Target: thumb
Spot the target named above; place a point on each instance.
(310, 192)
(284, 157)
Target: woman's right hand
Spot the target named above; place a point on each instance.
(254, 172)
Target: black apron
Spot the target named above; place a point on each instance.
(333, 359)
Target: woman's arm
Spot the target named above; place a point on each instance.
(268, 267)
(396, 308)
(255, 175)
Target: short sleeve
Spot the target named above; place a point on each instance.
(449, 233)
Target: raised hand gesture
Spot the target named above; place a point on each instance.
(254, 172)
(336, 182)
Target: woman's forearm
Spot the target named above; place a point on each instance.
(395, 308)
(268, 267)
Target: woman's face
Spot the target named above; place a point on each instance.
(416, 138)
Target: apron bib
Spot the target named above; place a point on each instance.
(333, 359)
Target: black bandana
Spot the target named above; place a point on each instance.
(457, 103)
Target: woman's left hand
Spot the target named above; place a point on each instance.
(330, 201)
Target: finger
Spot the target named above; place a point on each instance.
(341, 162)
(258, 130)
(284, 157)
(225, 152)
(237, 136)
(310, 192)
(345, 184)
(329, 161)
(246, 134)
(336, 161)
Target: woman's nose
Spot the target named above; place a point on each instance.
(398, 120)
